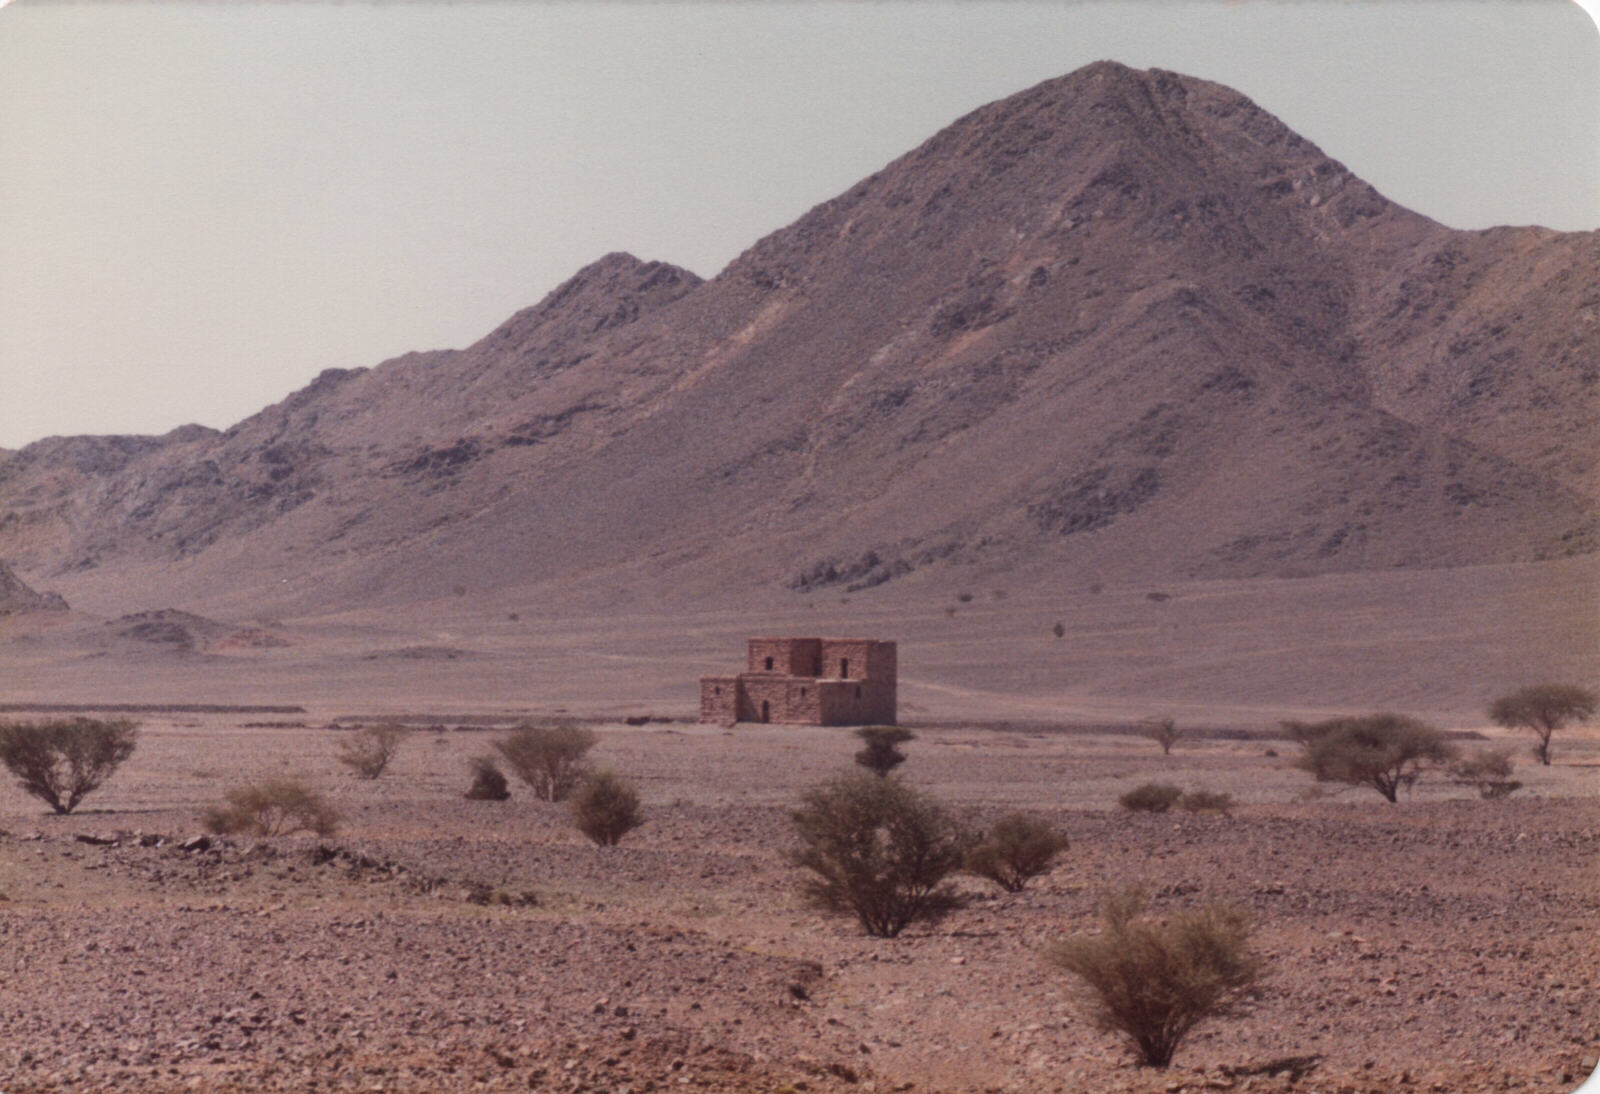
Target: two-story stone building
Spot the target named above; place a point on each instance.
(806, 681)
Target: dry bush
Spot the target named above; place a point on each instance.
(1488, 771)
(1543, 709)
(878, 850)
(62, 761)
(488, 784)
(1164, 732)
(272, 808)
(1153, 981)
(606, 808)
(1151, 798)
(880, 756)
(368, 751)
(1383, 751)
(548, 758)
(1015, 850)
(1206, 801)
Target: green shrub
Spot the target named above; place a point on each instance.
(1488, 771)
(272, 808)
(879, 850)
(548, 758)
(880, 756)
(1383, 751)
(61, 762)
(368, 750)
(1155, 981)
(1016, 849)
(1151, 798)
(488, 784)
(606, 808)
(1543, 709)
(1206, 801)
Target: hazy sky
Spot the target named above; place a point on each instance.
(204, 205)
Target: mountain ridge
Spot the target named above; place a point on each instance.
(1122, 323)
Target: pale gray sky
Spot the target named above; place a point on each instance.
(204, 205)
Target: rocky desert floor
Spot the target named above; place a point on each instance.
(437, 944)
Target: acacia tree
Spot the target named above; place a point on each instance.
(1164, 732)
(62, 761)
(368, 751)
(880, 756)
(1543, 708)
(879, 850)
(548, 758)
(1383, 751)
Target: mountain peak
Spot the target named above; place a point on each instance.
(612, 291)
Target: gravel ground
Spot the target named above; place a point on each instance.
(435, 944)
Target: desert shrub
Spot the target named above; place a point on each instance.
(965, 598)
(61, 762)
(1487, 771)
(368, 751)
(606, 808)
(879, 850)
(488, 783)
(272, 808)
(1059, 629)
(1383, 751)
(1543, 709)
(1206, 801)
(548, 758)
(1164, 732)
(1016, 849)
(1153, 981)
(1151, 798)
(880, 756)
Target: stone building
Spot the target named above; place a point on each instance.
(806, 681)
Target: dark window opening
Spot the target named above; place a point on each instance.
(802, 693)
(716, 691)
(844, 668)
(766, 711)
(858, 691)
(769, 664)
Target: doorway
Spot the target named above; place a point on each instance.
(766, 711)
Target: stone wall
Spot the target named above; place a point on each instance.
(719, 699)
(789, 656)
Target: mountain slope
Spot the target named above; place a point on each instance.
(1124, 324)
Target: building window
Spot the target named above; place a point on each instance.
(858, 691)
(844, 668)
(716, 691)
(769, 664)
(802, 693)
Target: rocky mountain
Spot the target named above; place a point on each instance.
(16, 596)
(1123, 325)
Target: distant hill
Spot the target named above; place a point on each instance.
(1123, 325)
(16, 596)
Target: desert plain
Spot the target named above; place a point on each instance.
(1443, 943)
(1113, 400)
